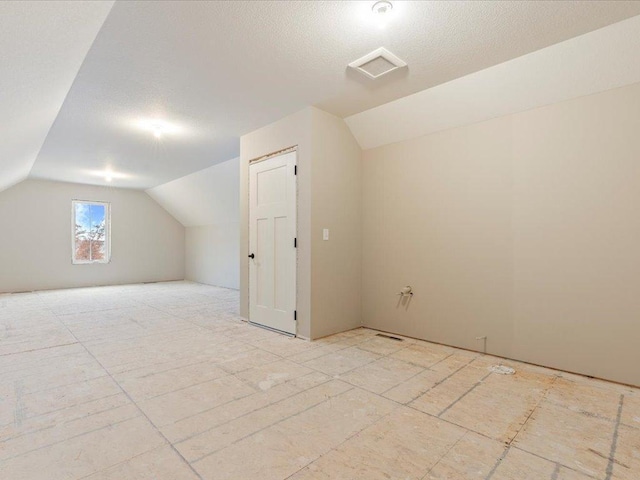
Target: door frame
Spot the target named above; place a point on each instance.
(269, 156)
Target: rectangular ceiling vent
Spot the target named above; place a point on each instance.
(378, 63)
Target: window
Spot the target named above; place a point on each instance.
(91, 232)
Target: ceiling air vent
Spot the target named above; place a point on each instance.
(378, 63)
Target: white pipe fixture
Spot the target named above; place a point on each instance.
(406, 291)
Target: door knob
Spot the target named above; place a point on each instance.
(252, 256)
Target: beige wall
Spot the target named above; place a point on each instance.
(35, 238)
(336, 204)
(329, 179)
(211, 254)
(206, 203)
(524, 229)
(294, 130)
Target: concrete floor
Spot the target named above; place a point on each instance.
(164, 382)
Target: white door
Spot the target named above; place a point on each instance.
(272, 236)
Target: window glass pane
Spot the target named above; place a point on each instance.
(91, 232)
(83, 226)
(97, 231)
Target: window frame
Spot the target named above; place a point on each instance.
(107, 236)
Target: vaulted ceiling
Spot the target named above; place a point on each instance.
(42, 46)
(601, 60)
(216, 70)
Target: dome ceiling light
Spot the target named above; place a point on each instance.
(382, 7)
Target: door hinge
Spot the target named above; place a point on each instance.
(295, 243)
(295, 169)
(295, 315)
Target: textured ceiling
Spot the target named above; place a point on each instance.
(42, 45)
(594, 62)
(221, 69)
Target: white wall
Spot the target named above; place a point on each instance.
(329, 180)
(336, 204)
(207, 204)
(294, 130)
(35, 238)
(212, 255)
(523, 228)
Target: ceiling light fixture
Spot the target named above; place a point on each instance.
(157, 127)
(382, 7)
(108, 174)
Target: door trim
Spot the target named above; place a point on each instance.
(277, 153)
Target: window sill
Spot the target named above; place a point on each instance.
(91, 263)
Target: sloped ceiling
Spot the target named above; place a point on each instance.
(218, 70)
(208, 197)
(42, 46)
(600, 60)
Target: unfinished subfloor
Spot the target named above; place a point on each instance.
(165, 382)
